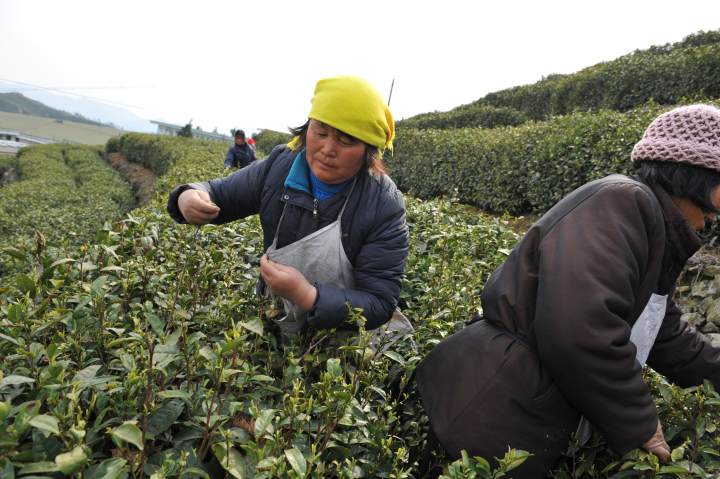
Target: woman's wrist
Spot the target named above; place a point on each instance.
(307, 297)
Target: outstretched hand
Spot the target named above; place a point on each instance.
(288, 282)
(197, 208)
(657, 445)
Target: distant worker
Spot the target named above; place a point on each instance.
(240, 154)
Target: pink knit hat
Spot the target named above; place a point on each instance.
(688, 134)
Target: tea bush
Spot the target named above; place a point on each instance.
(147, 354)
(522, 169)
(467, 116)
(64, 192)
(665, 75)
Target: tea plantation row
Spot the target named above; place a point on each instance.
(147, 354)
(523, 169)
(666, 75)
(65, 192)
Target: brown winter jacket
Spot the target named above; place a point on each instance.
(574, 287)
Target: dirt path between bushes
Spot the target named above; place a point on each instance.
(142, 179)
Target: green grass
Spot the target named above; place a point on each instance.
(66, 131)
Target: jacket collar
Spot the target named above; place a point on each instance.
(299, 176)
(681, 240)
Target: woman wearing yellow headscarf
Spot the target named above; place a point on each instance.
(333, 221)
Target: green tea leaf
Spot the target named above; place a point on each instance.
(264, 421)
(296, 460)
(164, 417)
(254, 325)
(113, 468)
(14, 380)
(39, 468)
(72, 461)
(230, 459)
(129, 432)
(45, 423)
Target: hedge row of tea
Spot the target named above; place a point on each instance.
(147, 354)
(467, 116)
(522, 169)
(64, 192)
(663, 74)
(691, 69)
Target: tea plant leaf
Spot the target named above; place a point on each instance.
(173, 394)
(254, 325)
(194, 472)
(45, 423)
(395, 357)
(129, 432)
(333, 367)
(72, 461)
(38, 468)
(14, 380)
(86, 374)
(230, 459)
(264, 421)
(10, 339)
(108, 469)
(671, 469)
(297, 461)
(163, 417)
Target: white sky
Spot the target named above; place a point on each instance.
(254, 64)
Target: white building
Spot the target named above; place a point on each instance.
(172, 130)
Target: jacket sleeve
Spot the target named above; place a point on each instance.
(229, 160)
(682, 354)
(590, 264)
(378, 270)
(238, 195)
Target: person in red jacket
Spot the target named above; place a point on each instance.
(584, 300)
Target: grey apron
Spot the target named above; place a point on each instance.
(321, 258)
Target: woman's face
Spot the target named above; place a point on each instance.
(333, 156)
(694, 214)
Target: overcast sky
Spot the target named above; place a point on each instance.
(254, 64)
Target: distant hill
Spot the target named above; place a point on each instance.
(113, 115)
(18, 103)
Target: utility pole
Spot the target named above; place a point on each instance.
(391, 89)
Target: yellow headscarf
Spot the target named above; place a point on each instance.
(354, 107)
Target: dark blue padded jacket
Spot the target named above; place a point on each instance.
(239, 156)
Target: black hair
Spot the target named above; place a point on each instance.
(240, 133)
(682, 180)
(373, 158)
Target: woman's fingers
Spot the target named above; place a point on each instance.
(196, 207)
(657, 444)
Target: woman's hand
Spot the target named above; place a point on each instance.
(197, 208)
(288, 282)
(657, 445)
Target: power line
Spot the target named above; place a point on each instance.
(66, 88)
(105, 100)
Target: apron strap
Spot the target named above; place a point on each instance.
(277, 230)
(342, 210)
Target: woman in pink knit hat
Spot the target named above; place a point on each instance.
(581, 304)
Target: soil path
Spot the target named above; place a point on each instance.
(141, 178)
